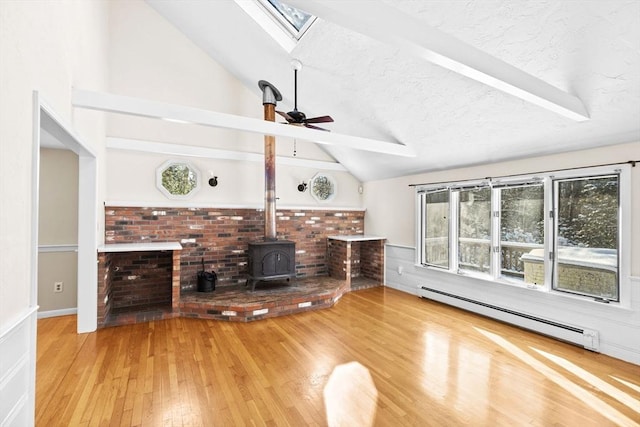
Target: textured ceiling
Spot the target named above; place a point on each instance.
(590, 49)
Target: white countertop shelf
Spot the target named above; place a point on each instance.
(356, 237)
(140, 247)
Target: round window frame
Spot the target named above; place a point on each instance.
(319, 197)
(166, 165)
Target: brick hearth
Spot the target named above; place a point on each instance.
(234, 303)
(220, 236)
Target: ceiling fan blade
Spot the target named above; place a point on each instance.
(321, 119)
(315, 127)
(286, 116)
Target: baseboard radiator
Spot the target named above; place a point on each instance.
(582, 337)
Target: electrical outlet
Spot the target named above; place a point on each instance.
(58, 286)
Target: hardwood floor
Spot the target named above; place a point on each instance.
(429, 364)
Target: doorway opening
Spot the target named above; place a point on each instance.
(50, 131)
(58, 228)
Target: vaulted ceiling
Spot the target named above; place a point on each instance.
(376, 67)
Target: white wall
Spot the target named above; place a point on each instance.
(49, 47)
(132, 179)
(162, 64)
(390, 200)
(58, 219)
(58, 230)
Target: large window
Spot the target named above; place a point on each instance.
(587, 236)
(559, 232)
(521, 229)
(474, 229)
(436, 226)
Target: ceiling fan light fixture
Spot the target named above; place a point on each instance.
(296, 64)
(298, 118)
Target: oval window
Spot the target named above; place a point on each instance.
(323, 187)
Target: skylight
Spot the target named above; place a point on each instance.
(292, 17)
(285, 24)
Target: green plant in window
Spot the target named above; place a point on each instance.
(322, 187)
(179, 179)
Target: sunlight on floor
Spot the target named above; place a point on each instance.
(436, 365)
(350, 396)
(593, 380)
(562, 381)
(631, 385)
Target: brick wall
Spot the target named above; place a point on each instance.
(337, 251)
(362, 258)
(140, 279)
(355, 259)
(372, 259)
(104, 287)
(221, 236)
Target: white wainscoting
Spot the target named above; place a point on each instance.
(400, 269)
(17, 371)
(618, 327)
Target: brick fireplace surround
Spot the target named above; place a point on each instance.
(221, 237)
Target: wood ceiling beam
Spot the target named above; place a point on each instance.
(389, 25)
(178, 113)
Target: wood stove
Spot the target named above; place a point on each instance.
(271, 260)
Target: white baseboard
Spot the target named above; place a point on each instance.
(56, 313)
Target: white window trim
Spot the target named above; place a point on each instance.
(624, 247)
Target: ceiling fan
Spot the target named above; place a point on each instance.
(296, 117)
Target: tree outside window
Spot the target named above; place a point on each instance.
(498, 229)
(521, 229)
(474, 229)
(177, 179)
(436, 244)
(587, 236)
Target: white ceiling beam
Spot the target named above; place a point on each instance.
(213, 153)
(178, 113)
(389, 25)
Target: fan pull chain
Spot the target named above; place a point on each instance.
(294, 147)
